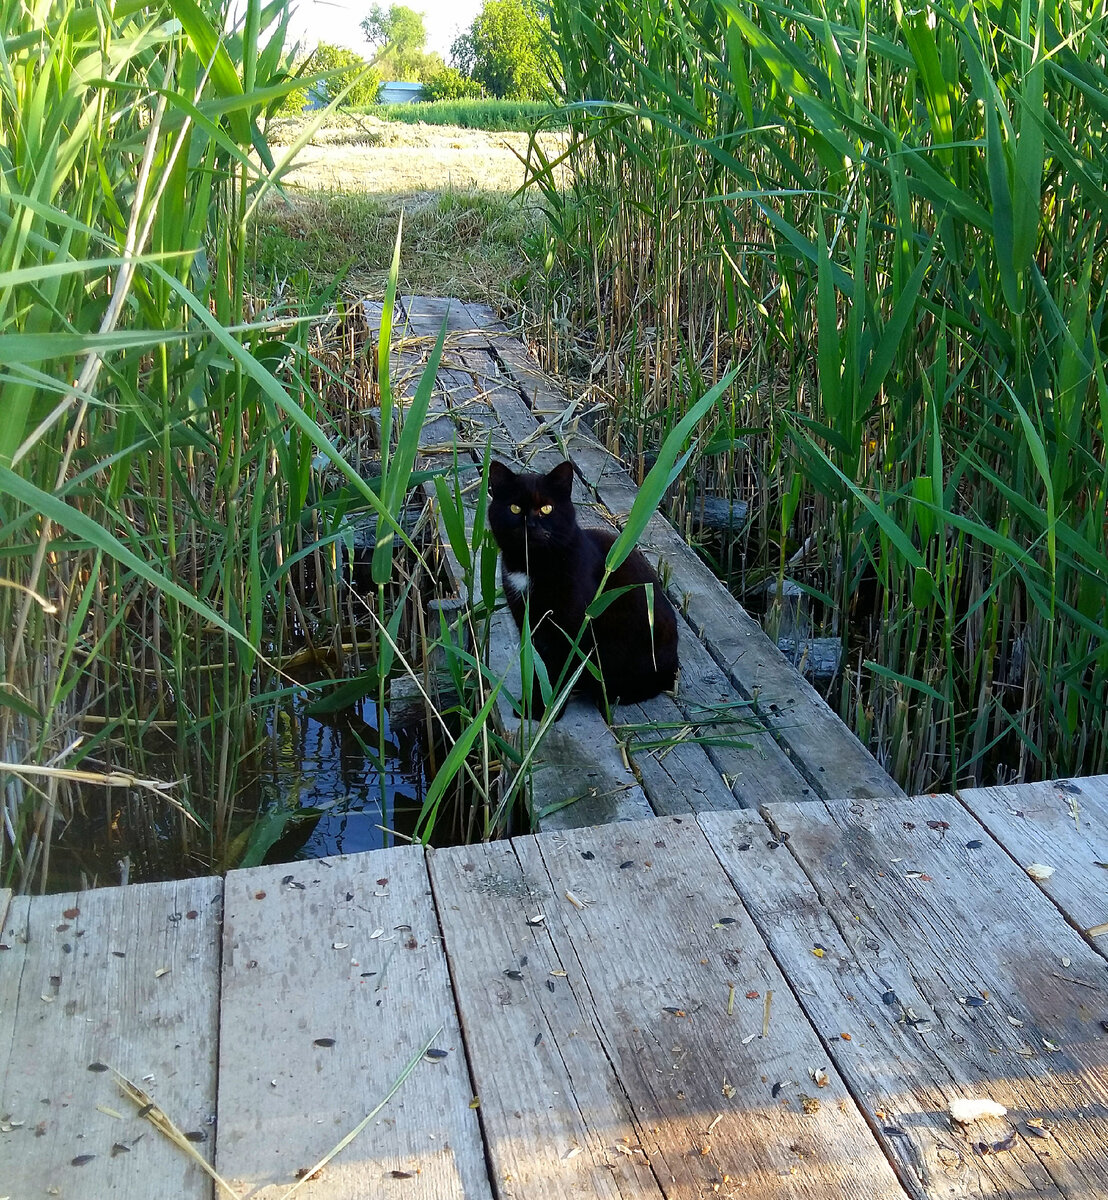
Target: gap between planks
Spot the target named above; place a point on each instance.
(594, 972)
(338, 965)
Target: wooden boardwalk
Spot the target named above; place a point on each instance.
(718, 1004)
(783, 741)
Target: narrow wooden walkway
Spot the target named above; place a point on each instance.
(723, 1004)
(782, 742)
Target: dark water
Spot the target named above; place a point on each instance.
(323, 771)
(332, 764)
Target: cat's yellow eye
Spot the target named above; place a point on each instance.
(515, 508)
(547, 509)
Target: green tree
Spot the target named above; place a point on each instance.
(399, 29)
(398, 37)
(507, 50)
(451, 84)
(351, 67)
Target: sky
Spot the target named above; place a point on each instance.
(337, 21)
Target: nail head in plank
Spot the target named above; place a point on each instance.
(943, 964)
(114, 977)
(1063, 825)
(333, 977)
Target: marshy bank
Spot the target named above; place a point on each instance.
(183, 467)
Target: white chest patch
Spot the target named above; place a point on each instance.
(516, 581)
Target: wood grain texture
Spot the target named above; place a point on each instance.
(1063, 825)
(121, 978)
(678, 778)
(626, 1075)
(333, 977)
(905, 927)
(555, 1118)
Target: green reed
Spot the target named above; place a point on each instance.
(893, 223)
(160, 430)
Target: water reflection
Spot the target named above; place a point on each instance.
(317, 781)
(332, 765)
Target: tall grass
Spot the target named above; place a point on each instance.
(490, 114)
(894, 222)
(184, 468)
(164, 457)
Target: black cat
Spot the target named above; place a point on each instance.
(553, 565)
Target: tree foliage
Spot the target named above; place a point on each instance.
(507, 50)
(398, 28)
(351, 67)
(451, 84)
(399, 38)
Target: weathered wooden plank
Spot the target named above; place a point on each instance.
(333, 977)
(678, 778)
(1063, 825)
(123, 977)
(905, 927)
(603, 1050)
(555, 1118)
(581, 778)
(758, 774)
(827, 753)
(425, 314)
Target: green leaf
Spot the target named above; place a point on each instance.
(923, 588)
(661, 474)
(398, 472)
(65, 516)
(450, 768)
(344, 695)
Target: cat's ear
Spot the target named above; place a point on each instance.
(500, 477)
(560, 481)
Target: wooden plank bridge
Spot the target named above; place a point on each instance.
(718, 1004)
(748, 967)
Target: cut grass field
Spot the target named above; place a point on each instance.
(469, 244)
(466, 232)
